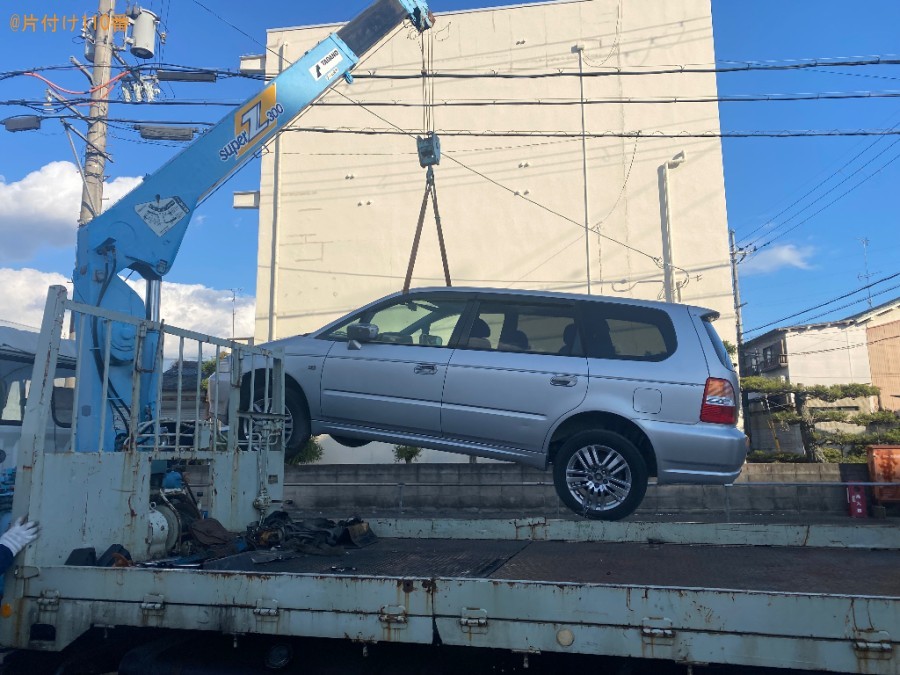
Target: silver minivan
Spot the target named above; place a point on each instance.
(608, 392)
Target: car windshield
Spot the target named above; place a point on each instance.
(407, 318)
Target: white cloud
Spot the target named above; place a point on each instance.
(772, 259)
(42, 208)
(191, 306)
(23, 294)
(203, 309)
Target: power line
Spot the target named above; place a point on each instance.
(758, 133)
(814, 189)
(738, 66)
(740, 98)
(835, 200)
(742, 67)
(844, 347)
(828, 302)
(499, 103)
(399, 131)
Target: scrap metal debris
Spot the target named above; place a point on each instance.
(277, 538)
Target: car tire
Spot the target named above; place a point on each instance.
(600, 475)
(297, 425)
(348, 442)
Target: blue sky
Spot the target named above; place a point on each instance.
(820, 259)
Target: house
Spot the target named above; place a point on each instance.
(863, 348)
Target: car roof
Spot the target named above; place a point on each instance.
(550, 294)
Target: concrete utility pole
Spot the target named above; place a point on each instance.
(738, 320)
(95, 150)
(736, 287)
(579, 48)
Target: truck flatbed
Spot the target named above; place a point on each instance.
(689, 566)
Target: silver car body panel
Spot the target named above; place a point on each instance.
(400, 389)
(513, 398)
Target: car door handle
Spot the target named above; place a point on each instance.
(564, 381)
(425, 369)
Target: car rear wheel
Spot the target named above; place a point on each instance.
(600, 475)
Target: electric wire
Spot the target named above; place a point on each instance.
(399, 131)
(844, 347)
(826, 303)
(655, 100)
(851, 189)
(753, 133)
(739, 66)
(817, 186)
(743, 67)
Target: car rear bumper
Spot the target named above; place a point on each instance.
(697, 453)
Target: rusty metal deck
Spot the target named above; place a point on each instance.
(749, 568)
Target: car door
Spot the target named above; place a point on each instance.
(516, 370)
(394, 381)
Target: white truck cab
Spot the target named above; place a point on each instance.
(17, 350)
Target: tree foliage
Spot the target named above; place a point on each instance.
(406, 453)
(310, 454)
(817, 443)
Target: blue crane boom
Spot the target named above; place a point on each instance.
(144, 230)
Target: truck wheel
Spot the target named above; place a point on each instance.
(600, 475)
(296, 426)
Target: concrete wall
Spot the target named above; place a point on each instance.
(338, 211)
(512, 489)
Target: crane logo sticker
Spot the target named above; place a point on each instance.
(327, 66)
(162, 215)
(251, 122)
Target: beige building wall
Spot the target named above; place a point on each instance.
(338, 211)
(835, 354)
(884, 355)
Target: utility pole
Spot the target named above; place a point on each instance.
(865, 242)
(736, 288)
(579, 48)
(95, 149)
(737, 255)
(234, 292)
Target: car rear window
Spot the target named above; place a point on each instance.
(717, 343)
(629, 332)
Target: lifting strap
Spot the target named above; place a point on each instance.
(430, 189)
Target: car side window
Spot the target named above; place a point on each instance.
(522, 327)
(420, 320)
(629, 332)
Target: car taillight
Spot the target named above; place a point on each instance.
(719, 405)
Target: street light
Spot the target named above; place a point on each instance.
(668, 256)
(22, 123)
(186, 75)
(165, 133)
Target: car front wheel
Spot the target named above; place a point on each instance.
(600, 475)
(296, 424)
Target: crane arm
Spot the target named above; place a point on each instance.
(145, 229)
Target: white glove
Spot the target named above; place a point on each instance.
(18, 536)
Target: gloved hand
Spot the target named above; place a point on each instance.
(19, 535)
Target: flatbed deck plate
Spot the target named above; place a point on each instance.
(749, 568)
(389, 558)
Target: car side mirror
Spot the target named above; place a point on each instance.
(431, 340)
(362, 332)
